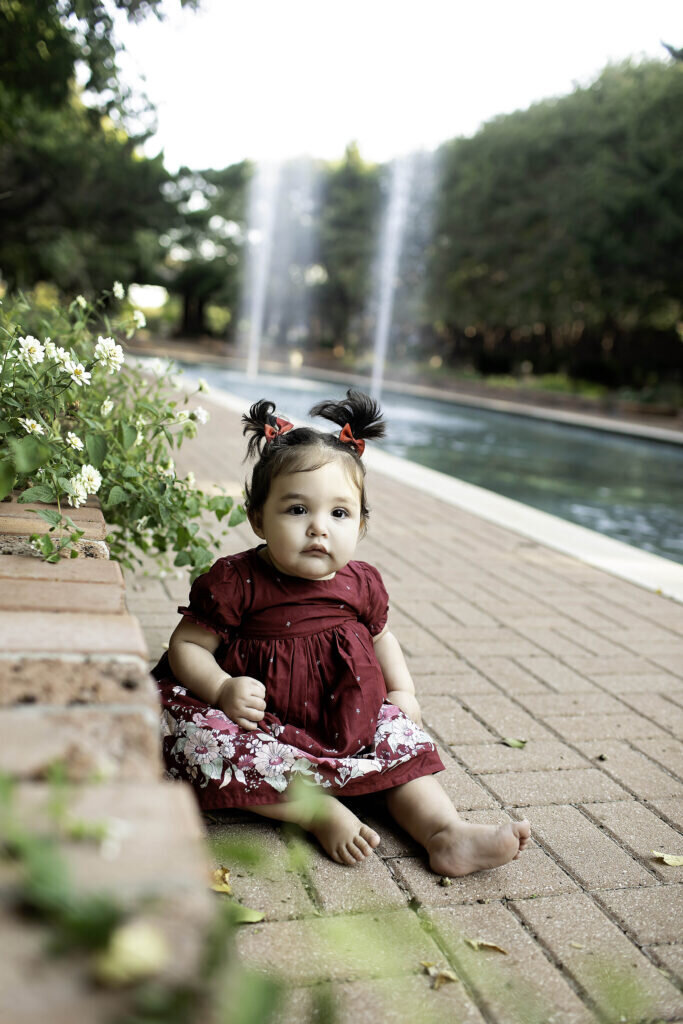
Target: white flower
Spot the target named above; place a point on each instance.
(118, 290)
(139, 438)
(174, 380)
(106, 407)
(74, 441)
(157, 366)
(203, 386)
(81, 301)
(63, 358)
(201, 747)
(79, 374)
(190, 479)
(139, 318)
(109, 354)
(200, 415)
(142, 523)
(31, 426)
(77, 492)
(50, 349)
(168, 469)
(182, 416)
(273, 759)
(92, 479)
(30, 350)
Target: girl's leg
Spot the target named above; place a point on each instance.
(340, 833)
(455, 847)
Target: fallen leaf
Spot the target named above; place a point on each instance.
(220, 880)
(576, 945)
(483, 944)
(245, 915)
(601, 757)
(672, 859)
(445, 881)
(135, 951)
(438, 975)
(511, 742)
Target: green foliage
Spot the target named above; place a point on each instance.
(78, 422)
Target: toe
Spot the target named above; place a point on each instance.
(344, 857)
(370, 836)
(354, 852)
(363, 846)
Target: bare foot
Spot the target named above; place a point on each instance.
(461, 847)
(342, 835)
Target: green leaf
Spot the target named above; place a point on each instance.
(5, 427)
(244, 915)
(7, 478)
(29, 453)
(130, 473)
(97, 448)
(509, 742)
(238, 516)
(182, 558)
(41, 492)
(128, 435)
(116, 496)
(49, 515)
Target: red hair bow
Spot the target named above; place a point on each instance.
(282, 427)
(347, 437)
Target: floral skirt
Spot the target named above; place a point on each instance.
(233, 767)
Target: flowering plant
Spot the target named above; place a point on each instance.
(77, 420)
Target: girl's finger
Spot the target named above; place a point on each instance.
(245, 724)
(253, 714)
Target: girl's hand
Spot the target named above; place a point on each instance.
(408, 704)
(242, 699)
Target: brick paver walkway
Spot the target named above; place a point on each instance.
(504, 638)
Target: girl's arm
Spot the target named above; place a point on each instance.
(190, 655)
(400, 686)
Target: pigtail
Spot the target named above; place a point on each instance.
(260, 414)
(361, 412)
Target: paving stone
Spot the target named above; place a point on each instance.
(636, 827)
(650, 682)
(67, 570)
(591, 727)
(464, 791)
(549, 641)
(507, 675)
(76, 680)
(19, 520)
(671, 663)
(70, 633)
(534, 873)
(339, 948)
(658, 708)
(271, 885)
(387, 1001)
(604, 963)
(418, 642)
(632, 769)
(558, 676)
(672, 810)
(462, 680)
(431, 664)
(340, 889)
(536, 755)
(648, 915)
(116, 743)
(520, 986)
(162, 849)
(589, 702)
(584, 850)
(453, 723)
(394, 841)
(670, 958)
(574, 785)
(59, 596)
(506, 718)
(512, 647)
(667, 752)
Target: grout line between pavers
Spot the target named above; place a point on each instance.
(620, 843)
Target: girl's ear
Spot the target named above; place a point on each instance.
(255, 520)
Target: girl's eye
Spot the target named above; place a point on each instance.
(296, 510)
(340, 513)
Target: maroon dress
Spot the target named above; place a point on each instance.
(327, 721)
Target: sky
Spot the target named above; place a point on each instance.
(264, 79)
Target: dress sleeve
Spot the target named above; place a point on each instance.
(376, 610)
(216, 599)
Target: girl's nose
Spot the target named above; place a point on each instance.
(317, 526)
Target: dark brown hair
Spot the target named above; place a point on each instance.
(304, 449)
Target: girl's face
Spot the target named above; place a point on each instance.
(310, 521)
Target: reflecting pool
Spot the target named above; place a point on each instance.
(626, 488)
